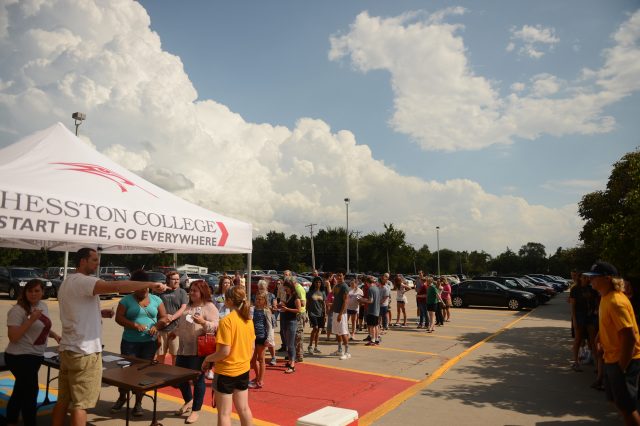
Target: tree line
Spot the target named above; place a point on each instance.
(611, 232)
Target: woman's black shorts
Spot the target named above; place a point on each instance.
(227, 384)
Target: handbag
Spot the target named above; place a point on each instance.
(206, 344)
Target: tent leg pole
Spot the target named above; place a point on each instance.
(175, 260)
(66, 265)
(248, 281)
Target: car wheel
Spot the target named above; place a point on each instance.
(457, 302)
(13, 293)
(513, 304)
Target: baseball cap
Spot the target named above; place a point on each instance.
(601, 268)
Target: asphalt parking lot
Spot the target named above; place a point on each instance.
(488, 365)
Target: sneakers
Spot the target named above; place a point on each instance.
(273, 362)
(367, 339)
(118, 405)
(137, 411)
(310, 350)
(209, 375)
(370, 344)
(316, 350)
(344, 356)
(336, 353)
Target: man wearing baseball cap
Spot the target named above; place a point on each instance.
(619, 339)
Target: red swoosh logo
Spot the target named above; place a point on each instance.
(103, 172)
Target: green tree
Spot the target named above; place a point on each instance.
(612, 217)
(533, 258)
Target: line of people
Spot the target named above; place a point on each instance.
(605, 311)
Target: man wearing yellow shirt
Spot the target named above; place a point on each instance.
(620, 341)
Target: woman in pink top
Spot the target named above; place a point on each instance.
(446, 298)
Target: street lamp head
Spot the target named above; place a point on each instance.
(80, 116)
(346, 200)
(437, 227)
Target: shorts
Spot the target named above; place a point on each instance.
(372, 320)
(401, 302)
(352, 312)
(79, 379)
(166, 346)
(228, 384)
(585, 320)
(316, 322)
(431, 307)
(384, 310)
(329, 322)
(260, 340)
(622, 387)
(339, 328)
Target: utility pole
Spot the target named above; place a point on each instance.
(313, 253)
(357, 253)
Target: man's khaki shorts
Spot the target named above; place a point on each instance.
(80, 379)
(166, 346)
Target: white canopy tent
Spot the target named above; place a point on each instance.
(58, 193)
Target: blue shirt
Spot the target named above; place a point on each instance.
(147, 316)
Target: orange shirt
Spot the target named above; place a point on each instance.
(233, 331)
(616, 314)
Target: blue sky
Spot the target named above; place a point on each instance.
(489, 119)
(268, 62)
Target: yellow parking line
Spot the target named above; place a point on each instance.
(386, 348)
(351, 370)
(504, 312)
(394, 402)
(432, 335)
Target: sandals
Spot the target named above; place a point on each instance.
(183, 410)
(290, 370)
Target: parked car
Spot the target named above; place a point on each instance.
(118, 272)
(111, 277)
(546, 282)
(187, 278)
(212, 280)
(271, 283)
(542, 293)
(304, 282)
(12, 279)
(490, 293)
(57, 272)
(157, 277)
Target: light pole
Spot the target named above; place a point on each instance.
(357, 251)
(78, 118)
(346, 203)
(313, 253)
(438, 242)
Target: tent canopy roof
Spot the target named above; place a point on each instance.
(58, 193)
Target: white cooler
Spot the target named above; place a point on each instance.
(329, 416)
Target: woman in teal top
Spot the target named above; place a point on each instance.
(142, 315)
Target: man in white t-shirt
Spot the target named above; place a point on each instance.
(81, 345)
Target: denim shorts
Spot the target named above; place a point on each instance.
(622, 387)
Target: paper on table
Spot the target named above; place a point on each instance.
(50, 354)
(110, 358)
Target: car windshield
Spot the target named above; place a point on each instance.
(24, 273)
(510, 283)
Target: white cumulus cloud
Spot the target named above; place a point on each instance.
(443, 104)
(103, 59)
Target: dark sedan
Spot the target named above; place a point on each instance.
(543, 294)
(490, 293)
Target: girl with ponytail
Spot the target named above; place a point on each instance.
(234, 349)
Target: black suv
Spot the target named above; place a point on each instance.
(13, 279)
